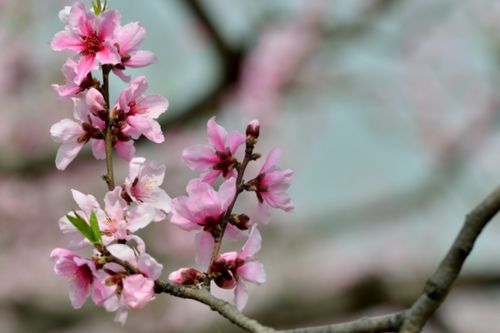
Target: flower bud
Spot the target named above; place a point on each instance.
(253, 131)
(186, 276)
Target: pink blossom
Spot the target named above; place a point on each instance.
(143, 185)
(81, 272)
(117, 221)
(216, 158)
(90, 36)
(124, 291)
(204, 208)
(232, 269)
(127, 39)
(74, 134)
(71, 88)
(120, 220)
(142, 111)
(96, 105)
(271, 185)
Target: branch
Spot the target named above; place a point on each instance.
(387, 323)
(438, 286)
(224, 308)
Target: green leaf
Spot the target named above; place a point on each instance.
(95, 228)
(82, 226)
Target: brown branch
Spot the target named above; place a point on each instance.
(438, 286)
(387, 323)
(108, 135)
(224, 308)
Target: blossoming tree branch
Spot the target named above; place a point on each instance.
(105, 259)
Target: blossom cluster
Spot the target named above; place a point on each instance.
(120, 275)
(101, 41)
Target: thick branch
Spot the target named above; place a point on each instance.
(438, 286)
(108, 135)
(387, 323)
(225, 309)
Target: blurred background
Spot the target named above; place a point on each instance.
(387, 111)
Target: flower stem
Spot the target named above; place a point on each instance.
(239, 188)
(108, 135)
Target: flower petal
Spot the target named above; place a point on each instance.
(204, 246)
(253, 272)
(216, 135)
(252, 245)
(240, 296)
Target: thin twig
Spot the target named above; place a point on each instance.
(108, 135)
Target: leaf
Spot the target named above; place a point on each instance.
(95, 228)
(82, 226)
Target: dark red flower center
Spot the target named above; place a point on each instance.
(93, 44)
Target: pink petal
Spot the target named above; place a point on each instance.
(86, 202)
(263, 213)
(134, 166)
(252, 245)
(66, 131)
(123, 252)
(79, 288)
(216, 135)
(98, 149)
(67, 90)
(108, 54)
(204, 246)
(107, 23)
(233, 233)
(121, 315)
(140, 216)
(210, 177)
(240, 296)
(253, 272)
(137, 291)
(235, 139)
(67, 40)
(141, 59)
(114, 204)
(148, 127)
(67, 153)
(153, 106)
(271, 160)
(95, 101)
(227, 191)
(199, 157)
(149, 266)
(85, 66)
(130, 36)
(121, 74)
(125, 149)
(80, 20)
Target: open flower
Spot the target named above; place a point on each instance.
(74, 134)
(271, 185)
(141, 111)
(143, 185)
(90, 36)
(127, 40)
(72, 88)
(126, 291)
(204, 209)
(81, 272)
(218, 157)
(231, 269)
